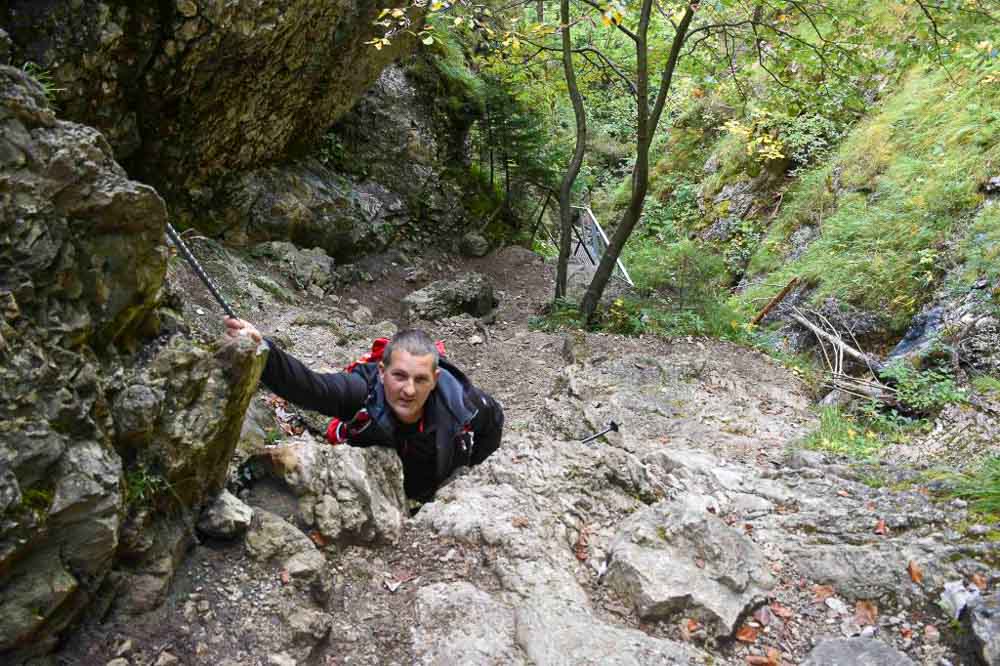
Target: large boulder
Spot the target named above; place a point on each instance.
(349, 494)
(471, 293)
(678, 556)
(151, 75)
(310, 205)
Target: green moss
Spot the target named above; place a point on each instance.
(38, 500)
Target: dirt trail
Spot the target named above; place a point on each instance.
(718, 417)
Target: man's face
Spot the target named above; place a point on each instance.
(408, 380)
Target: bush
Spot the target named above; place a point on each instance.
(923, 391)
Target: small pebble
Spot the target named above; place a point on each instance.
(931, 634)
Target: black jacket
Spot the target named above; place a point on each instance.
(463, 424)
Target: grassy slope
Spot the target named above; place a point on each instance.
(890, 204)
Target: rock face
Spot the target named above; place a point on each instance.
(225, 518)
(390, 164)
(349, 494)
(680, 555)
(470, 294)
(984, 615)
(151, 76)
(859, 651)
(83, 255)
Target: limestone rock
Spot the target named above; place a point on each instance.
(984, 615)
(857, 652)
(676, 556)
(226, 517)
(312, 50)
(474, 244)
(307, 268)
(471, 294)
(83, 259)
(361, 315)
(148, 580)
(271, 537)
(485, 634)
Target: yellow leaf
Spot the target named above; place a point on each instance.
(397, 13)
(428, 40)
(383, 13)
(458, 20)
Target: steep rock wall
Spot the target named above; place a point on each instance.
(191, 90)
(101, 422)
(394, 167)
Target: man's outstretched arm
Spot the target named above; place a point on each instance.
(337, 394)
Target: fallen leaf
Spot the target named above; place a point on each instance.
(916, 573)
(748, 528)
(822, 592)
(783, 612)
(317, 539)
(843, 493)
(519, 522)
(905, 632)
(979, 581)
(392, 585)
(700, 563)
(693, 625)
(285, 577)
(880, 527)
(865, 613)
(746, 634)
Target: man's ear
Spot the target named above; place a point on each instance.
(381, 370)
(437, 375)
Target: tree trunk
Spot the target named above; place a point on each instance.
(540, 10)
(566, 187)
(646, 125)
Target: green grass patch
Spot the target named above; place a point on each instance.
(863, 434)
(986, 384)
(982, 488)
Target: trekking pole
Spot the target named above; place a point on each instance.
(198, 270)
(612, 427)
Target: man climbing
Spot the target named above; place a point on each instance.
(407, 398)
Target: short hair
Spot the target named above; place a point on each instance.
(415, 342)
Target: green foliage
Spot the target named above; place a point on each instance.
(37, 501)
(686, 269)
(44, 77)
(923, 391)
(561, 315)
(143, 487)
(639, 316)
(884, 210)
(979, 250)
(863, 434)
